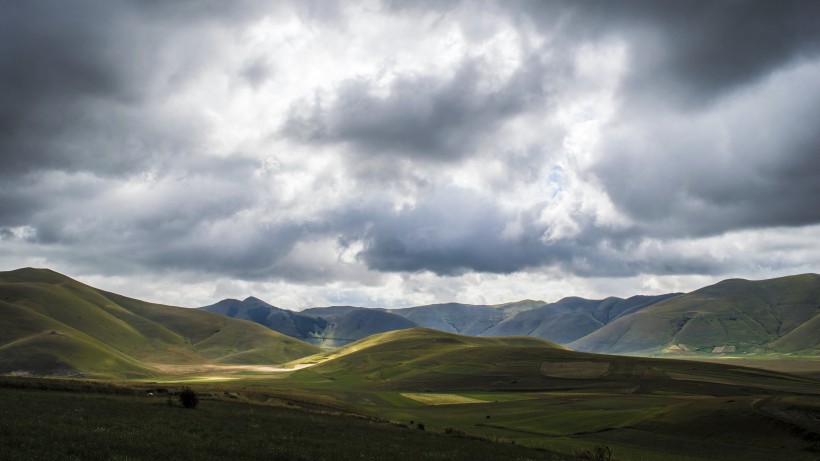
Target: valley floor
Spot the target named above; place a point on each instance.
(261, 414)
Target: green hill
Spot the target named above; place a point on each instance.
(423, 359)
(777, 315)
(55, 325)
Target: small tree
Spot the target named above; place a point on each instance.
(188, 398)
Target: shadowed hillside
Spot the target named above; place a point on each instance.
(571, 318)
(324, 326)
(464, 319)
(562, 322)
(294, 324)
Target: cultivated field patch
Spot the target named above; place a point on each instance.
(440, 399)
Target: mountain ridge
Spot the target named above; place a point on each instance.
(595, 325)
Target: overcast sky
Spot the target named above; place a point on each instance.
(400, 153)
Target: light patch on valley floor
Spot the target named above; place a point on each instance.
(440, 399)
(217, 372)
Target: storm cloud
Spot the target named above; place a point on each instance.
(424, 117)
(387, 150)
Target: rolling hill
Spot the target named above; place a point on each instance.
(54, 325)
(776, 315)
(432, 360)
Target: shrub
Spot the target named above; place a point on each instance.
(188, 398)
(599, 453)
(420, 426)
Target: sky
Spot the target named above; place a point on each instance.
(399, 153)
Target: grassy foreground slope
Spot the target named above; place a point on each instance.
(60, 426)
(777, 315)
(53, 325)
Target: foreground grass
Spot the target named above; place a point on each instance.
(56, 425)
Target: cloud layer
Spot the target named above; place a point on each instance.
(403, 152)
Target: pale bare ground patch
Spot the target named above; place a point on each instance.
(218, 372)
(440, 399)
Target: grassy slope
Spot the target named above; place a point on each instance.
(419, 341)
(424, 359)
(58, 426)
(751, 315)
(104, 334)
(805, 338)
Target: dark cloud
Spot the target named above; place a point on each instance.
(749, 162)
(687, 53)
(456, 232)
(426, 117)
(82, 85)
(709, 48)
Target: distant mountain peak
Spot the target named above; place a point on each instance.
(256, 302)
(253, 299)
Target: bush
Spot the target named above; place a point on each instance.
(188, 398)
(599, 453)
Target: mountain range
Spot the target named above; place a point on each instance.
(54, 325)
(741, 316)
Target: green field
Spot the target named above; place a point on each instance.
(541, 395)
(285, 416)
(58, 425)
